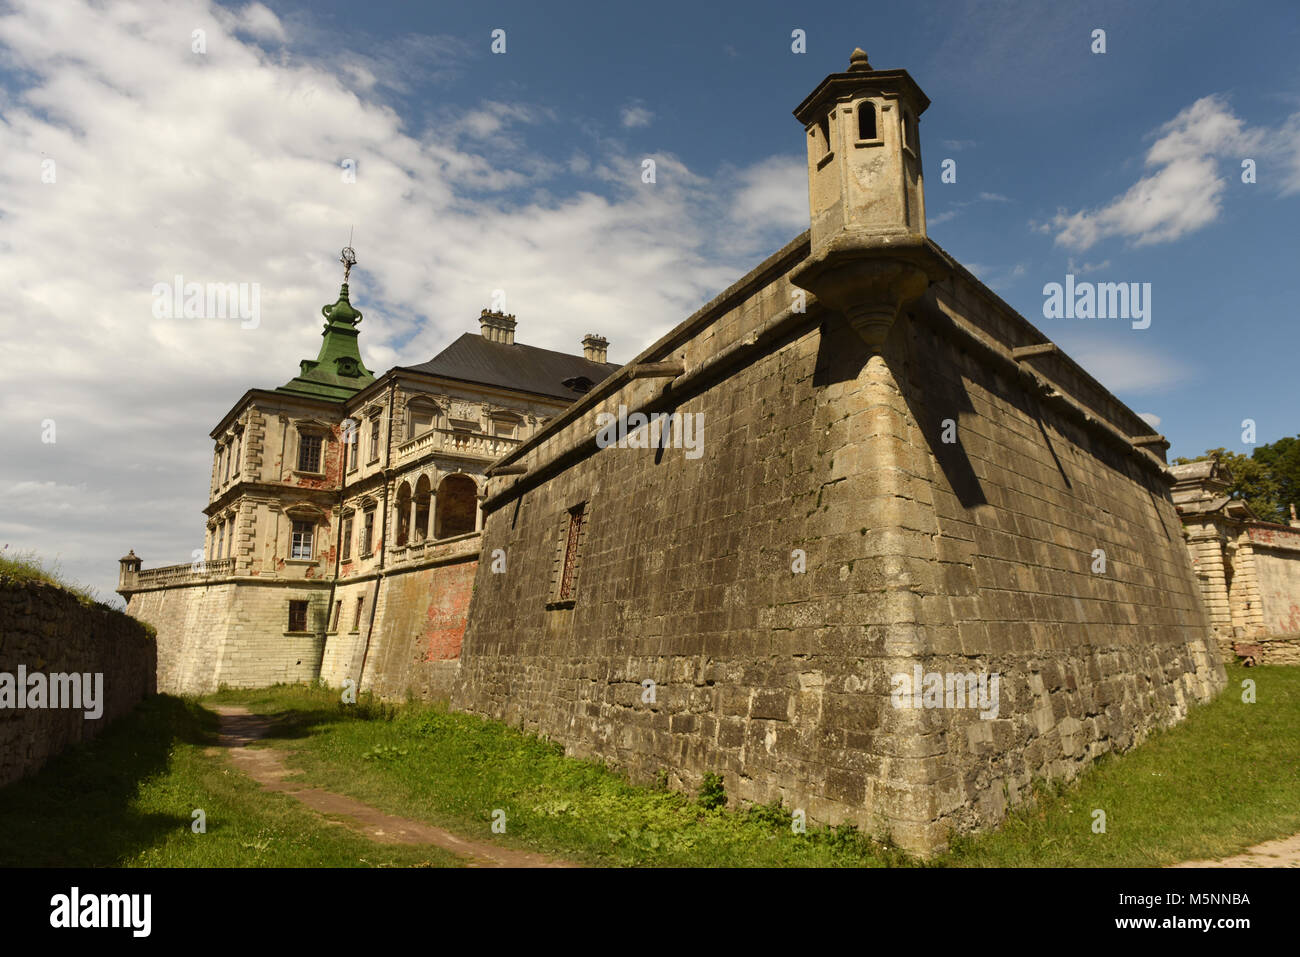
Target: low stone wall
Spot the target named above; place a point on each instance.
(1269, 650)
(48, 631)
(233, 633)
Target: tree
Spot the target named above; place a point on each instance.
(1268, 480)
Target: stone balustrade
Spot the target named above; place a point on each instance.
(460, 443)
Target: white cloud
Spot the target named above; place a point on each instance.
(1184, 193)
(1151, 419)
(635, 115)
(774, 193)
(1130, 368)
(225, 167)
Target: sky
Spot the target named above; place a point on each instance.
(245, 143)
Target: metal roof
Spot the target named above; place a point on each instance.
(471, 358)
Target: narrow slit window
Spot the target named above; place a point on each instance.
(569, 571)
(824, 126)
(356, 618)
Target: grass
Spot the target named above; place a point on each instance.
(454, 770)
(1224, 779)
(27, 566)
(126, 800)
(1221, 781)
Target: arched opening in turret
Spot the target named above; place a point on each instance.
(866, 120)
(824, 127)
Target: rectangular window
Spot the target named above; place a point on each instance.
(338, 613)
(239, 444)
(230, 538)
(302, 535)
(353, 443)
(374, 439)
(569, 571)
(225, 471)
(221, 540)
(297, 616)
(504, 428)
(309, 453)
(347, 537)
(356, 618)
(368, 532)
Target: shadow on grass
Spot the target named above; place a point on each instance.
(79, 810)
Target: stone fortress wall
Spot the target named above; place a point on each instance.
(47, 630)
(974, 556)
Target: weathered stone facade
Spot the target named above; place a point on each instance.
(1248, 571)
(898, 471)
(45, 629)
(334, 491)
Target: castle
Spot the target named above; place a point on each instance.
(901, 482)
(344, 512)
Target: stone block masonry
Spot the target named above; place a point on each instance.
(394, 633)
(47, 630)
(971, 556)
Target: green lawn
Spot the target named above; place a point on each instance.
(1226, 778)
(126, 799)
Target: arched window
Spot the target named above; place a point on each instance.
(457, 506)
(403, 516)
(423, 498)
(866, 120)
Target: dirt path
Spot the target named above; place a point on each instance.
(240, 728)
(1284, 852)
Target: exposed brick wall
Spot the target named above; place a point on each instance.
(419, 625)
(47, 630)
(974, 556)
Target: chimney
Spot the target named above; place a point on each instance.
(594, 347)
(497, 327)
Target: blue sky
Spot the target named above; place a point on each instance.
(521, 171)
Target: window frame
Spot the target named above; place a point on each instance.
(309, 538)
(298, 605)
(567, 572)
(345, 553)
(305, 440)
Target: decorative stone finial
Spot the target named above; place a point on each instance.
(858, 60)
